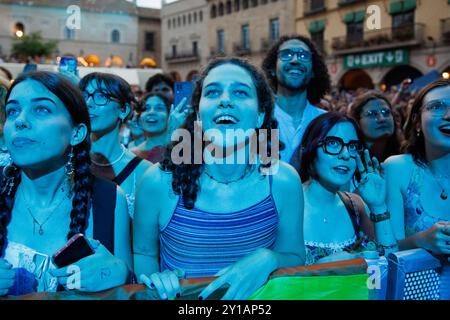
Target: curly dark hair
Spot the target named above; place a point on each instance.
(393, 145)
(318, 86)
(415, 141)
(115, 86)
(185, 176)
(314, 133)
(158, 78)
(83, 180)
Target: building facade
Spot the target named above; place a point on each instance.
(106, 28)
(184, 29)
(248, 28)
(376, 44)
(149, 35)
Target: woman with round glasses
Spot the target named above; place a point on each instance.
(337, 223)
(374, 114)
(199, 220)
(48, 194)
(419, 181)
(109, 99)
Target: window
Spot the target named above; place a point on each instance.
(355, 32)
(229, 7)
(184, 20)
(69, 34)
(195, 17)
(115, 36)
(179, 21)
(316, 5)
(221, 41)
(189, 18)
(263, 1)
(195, 48)
(245, 4)
(317, 38)
(221, 9)
(403, 25)
(254, 3)
(200, 16)
(149, 41)
(174, 50)
(245, 37)
(213, 12)
(237, 5)
(168, 24)
(19, 29)
(274, 32)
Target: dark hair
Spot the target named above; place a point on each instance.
(355, 109)
(73, 100)
(158, 78)
(185, 176)
(115, 86)
(148, 95)
(7, 73)
(314, 133)
(319, 84)
(415, 143)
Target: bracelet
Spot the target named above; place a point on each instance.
(380, 217)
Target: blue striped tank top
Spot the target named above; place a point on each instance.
(202, 243)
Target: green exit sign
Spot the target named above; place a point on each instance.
(376, 59)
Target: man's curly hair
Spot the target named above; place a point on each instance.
(319, 84)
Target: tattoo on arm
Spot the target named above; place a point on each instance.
(105, 273)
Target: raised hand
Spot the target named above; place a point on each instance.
(372, 186)
(178, 115)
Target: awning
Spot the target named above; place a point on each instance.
(148, 62)
(316, 26)
(355, 17)
(402, 6)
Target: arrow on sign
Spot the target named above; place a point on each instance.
(389, 57)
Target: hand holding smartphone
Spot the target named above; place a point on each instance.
(182, 90)
(77, 248)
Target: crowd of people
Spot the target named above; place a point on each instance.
(357, 174)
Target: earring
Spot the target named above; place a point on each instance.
(418, 133)
(69, 165)
(9, 172)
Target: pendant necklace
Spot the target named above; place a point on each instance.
(35, 221)
(444, 194)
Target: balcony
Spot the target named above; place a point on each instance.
(405, 36)
(445, 33)
(343, 3)
(266, 44)
(217, 52)
(181, 57)
(240, 49)
(313, 6)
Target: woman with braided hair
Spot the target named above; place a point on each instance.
(239, 220)
(48, 194)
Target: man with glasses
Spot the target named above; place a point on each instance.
(299, 78)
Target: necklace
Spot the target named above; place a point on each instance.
(109, 164)
(444, 194)
(246, 171)
(35, 221)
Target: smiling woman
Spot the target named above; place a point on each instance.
(199, 224)
(48, 193)
(331, 154)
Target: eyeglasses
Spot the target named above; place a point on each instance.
(288, 54)
(438, 107)
(335, 145)
(100, 98)
(373, 114)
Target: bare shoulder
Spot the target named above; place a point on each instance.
(155, 180)
(285, 177)
(399, 168)
(143, 166)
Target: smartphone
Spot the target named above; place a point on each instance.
(75, 249)
(29, 67)
(68, 64)
(182, 90)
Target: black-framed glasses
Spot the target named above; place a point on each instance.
(288, 54)
(334, 145)
(373, 114)
(438, 107)
(99, 97)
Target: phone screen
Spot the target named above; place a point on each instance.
(68, 64)
(182, 90)
(75, 249)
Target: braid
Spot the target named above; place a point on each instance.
(6, 206)
(83, 186)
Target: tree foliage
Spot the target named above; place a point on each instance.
(33, 45)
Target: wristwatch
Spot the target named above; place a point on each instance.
(380, 217)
